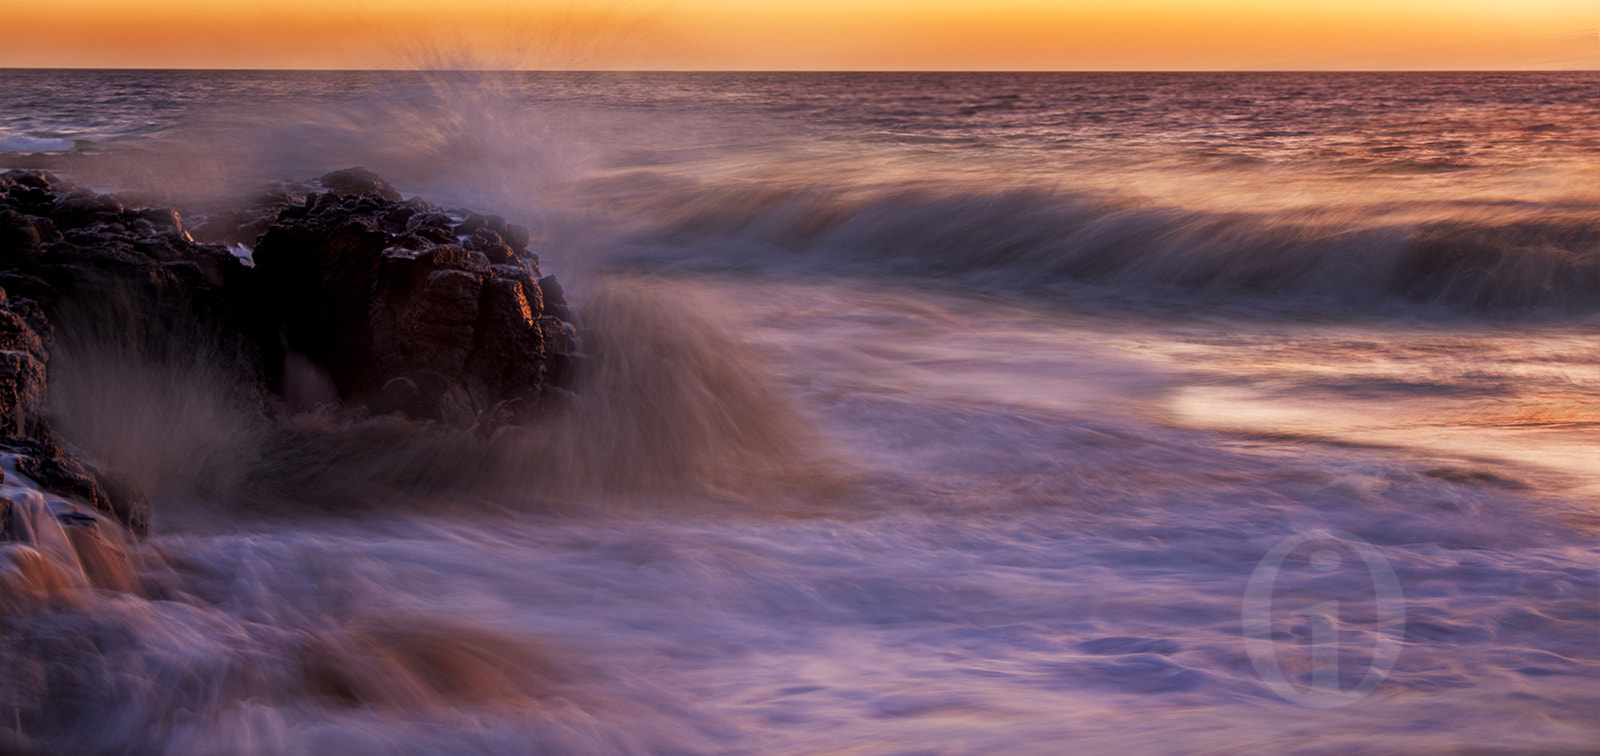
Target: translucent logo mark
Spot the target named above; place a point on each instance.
(1319, 622)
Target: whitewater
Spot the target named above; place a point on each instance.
(923, 414)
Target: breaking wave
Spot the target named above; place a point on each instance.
(666, 401)
(1467, 258)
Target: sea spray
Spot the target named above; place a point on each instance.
(667, 399)
(664, 400)
(172, 405)
(1051, 506)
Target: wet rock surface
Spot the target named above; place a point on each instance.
(405, 308)
(60, 244)
(354, 294)
(26, 442)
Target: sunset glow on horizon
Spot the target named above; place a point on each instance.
(818, 35)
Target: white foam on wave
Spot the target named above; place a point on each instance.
(1035, 558)
(1349, 255)
(244, 253)
(997, 611)
(34, 144)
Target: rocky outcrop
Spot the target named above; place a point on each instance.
(57, 242)
(61, 244)
(354, 182)
(22, 369)
(395, 304)
(242, 225)
(400, 305)
(408, 308)
(56, 470)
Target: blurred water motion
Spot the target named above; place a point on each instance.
(926, 412)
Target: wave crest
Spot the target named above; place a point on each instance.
(1035, 239)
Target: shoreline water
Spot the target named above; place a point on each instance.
(870, 466)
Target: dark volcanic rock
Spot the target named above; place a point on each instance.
(17, 334)
(58, 243)
(21, 393)
(22, 371)
(63, 247)
(358, 181)
(18, 235)
(316, 272)
(554, 298)
(84, 208)
(88, 248)
(369, 288)
(22, 382)
(379, 294)
(405, 308)
(243, 225)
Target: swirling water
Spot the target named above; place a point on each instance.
(932, 413)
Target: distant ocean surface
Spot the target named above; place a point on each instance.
(955, 413)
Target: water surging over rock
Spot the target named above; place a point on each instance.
(176, 358)
(355, 295)
(294, 377)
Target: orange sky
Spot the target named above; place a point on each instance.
(791, 34)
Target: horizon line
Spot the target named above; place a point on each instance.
(804, 70)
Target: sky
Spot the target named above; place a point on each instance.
(806, 34)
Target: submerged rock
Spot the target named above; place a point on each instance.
(358, 181)
(52, 550)
(242, 225)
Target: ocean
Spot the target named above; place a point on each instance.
(929, 413)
